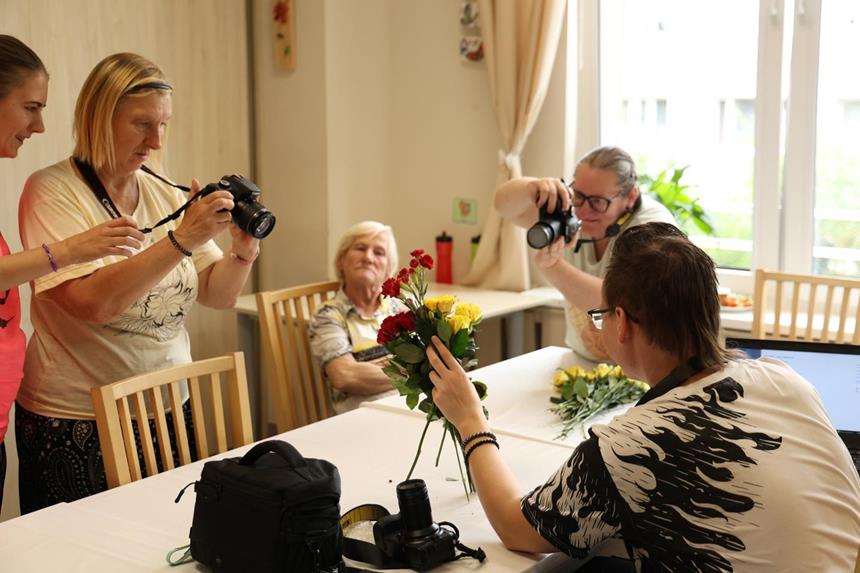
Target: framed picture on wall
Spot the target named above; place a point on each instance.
(284, 34)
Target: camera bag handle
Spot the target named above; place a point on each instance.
(286, 451)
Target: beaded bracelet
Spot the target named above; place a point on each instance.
(477, 445)
(477, 435)
(176, 244)
(51, 260)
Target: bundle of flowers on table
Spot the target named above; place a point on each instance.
(586, 393)
(408, 334)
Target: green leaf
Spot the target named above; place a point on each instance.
(409, 352)
(580, 388)
(443, 331)
(480, 388)
(412, 401)
(459, 343)
(393, 371)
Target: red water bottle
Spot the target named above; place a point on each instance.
(444, 245)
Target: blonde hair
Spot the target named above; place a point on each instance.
(115, 77)
(365, 229)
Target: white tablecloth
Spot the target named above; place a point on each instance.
(519, 392)
(131, 528)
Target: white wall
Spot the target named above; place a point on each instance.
(381, 119)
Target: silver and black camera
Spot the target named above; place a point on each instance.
(551, 226)
(248, 213)
(411, 537)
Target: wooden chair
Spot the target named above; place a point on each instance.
(301, 393)
(114, 415)
(831, 310)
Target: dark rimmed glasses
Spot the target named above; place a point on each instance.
(597, 203)
(596, 316)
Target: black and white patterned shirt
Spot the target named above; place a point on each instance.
(739, 471)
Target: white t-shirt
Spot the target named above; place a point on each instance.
(581, 336)
(67, 356)
(739, 471)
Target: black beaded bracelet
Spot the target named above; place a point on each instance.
(477, 435)
(176, 244)
(477, 445)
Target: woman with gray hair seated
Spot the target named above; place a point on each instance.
(343, 331)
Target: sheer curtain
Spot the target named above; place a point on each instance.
(521, 39)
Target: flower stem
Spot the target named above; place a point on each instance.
(420, 443)
(444, 433)
(456, 441)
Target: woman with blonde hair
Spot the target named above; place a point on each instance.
(99, 322)
(343, 331)
(23, 95)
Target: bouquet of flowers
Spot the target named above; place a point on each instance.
(408, 334)
(584, 394)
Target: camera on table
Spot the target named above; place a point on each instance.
(551, 226)
(412, 537)
(248, 213)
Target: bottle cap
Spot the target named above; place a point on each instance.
(444, 238)
(476, 239)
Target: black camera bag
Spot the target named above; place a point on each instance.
(271, 510)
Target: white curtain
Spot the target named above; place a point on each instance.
(521, 39)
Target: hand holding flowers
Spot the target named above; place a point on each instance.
(409, 335)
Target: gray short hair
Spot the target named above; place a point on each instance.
(617, 161)
(364, 229)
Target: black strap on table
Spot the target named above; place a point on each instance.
(675, 378)
(98, 189)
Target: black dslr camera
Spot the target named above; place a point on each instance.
(412, 537)
(551, 226)
(248, 213)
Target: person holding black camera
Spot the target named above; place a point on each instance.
(605, 197)
(99, 322)
(725, 464)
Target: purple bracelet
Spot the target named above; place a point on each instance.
(51, 260)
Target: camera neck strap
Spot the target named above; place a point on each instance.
(94, 183)
(359, 550)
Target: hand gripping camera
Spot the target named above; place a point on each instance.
(248, 213)
(412, 537)
(551, 226)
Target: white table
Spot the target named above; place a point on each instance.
(518, 398)
(507, 305)
(131, 528)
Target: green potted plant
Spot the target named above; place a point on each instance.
(669, 191)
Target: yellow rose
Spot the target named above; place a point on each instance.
(591, 376)
(458, 322)
(559, 378)
(471, 311)
(602, 370)
(576, 372)
(617, 372)
(442, 304)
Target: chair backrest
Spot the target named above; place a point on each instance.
(114, 415)
(806, 307)
(301, 393)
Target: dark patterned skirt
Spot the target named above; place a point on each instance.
(59, 460)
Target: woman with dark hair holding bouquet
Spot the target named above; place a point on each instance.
(23, 95)
(100, 322)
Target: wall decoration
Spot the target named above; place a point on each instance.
(471, 42)
(284, 34)
(465, 211)
(469, 15)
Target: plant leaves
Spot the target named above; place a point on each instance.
(443, 331)
(580, 388)
(412, 401)
(409, 352)
(459, 343)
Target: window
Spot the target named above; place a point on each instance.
(765, 116)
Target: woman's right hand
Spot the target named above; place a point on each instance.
(117, 237)
(205, 217)
(549, 191)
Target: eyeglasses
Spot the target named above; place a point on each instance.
(596, 316)
(598, 204)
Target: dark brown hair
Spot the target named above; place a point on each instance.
(658, 276)
(17, 61)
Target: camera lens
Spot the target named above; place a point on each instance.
(415, 511)
(253, 218)
(543, 233)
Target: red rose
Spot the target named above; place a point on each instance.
(405, 320)
(389, 330)
(413, 263)
(416, 253)
(391, 287)
(426, 261)
(403, 275)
